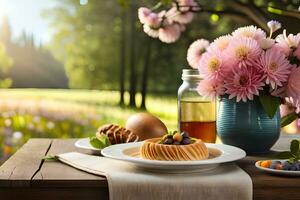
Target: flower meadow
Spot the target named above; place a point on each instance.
(23, 119)
(58, 113)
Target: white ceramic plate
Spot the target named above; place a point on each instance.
(84, 143)
(276, 171)
(219, 153)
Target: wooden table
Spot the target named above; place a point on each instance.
(26, 176)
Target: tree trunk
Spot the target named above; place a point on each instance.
(132, 90)
(122, 57)
(145, 73)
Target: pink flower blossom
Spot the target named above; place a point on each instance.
(150, 31)
(293, 102)
(195, 52)
(213, 66)
(243, 84)
(274, 25)
(275, 67)
(210, 88)
(221, 43)
(266, 43)
(181, 17)
(149, 18)
(143, 13)
(286, 43)
(297, 51)
(249, 32)
(293, 86)
(185, 4)
(243, 52)
(169, 33)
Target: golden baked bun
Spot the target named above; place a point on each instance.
(151, 149)
(146, 126)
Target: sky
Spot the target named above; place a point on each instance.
(26, 15)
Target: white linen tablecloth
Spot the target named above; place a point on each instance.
(127, 182)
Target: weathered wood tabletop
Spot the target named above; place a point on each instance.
(26, 176)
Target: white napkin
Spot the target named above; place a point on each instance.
(125, 181)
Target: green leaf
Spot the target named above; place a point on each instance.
(286, 120)
(100, 142)
(270, 104)
(284, 155)
(295, 147)
(292, 160)
(50, 158)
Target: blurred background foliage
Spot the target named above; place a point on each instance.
(106, 65)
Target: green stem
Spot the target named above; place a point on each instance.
(158, 5)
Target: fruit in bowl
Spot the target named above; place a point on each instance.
(289, 159)
(174, 146)
(280, 165)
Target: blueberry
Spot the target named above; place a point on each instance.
(185, 134)
(286, 165)
(274, 164)
(295, 167)
(168, 141)
(186, 141)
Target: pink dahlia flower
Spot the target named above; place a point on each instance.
(195, 52)
(275, 67)
(221, 43)
(213, 66)
(243, 52)
(293, 86)
(293, 102)
(243, 84)
(211, 88)
(169, 33)
(249, 32)
(181, 17)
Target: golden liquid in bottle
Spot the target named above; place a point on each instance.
(199, 119)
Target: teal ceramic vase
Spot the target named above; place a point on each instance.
(247, 125)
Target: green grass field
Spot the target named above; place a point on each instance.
(104, 103)
(53, 113)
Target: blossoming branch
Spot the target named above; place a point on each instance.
(167, 25)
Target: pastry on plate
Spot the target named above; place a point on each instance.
(174, 147)
(111, 134)
(117, 134)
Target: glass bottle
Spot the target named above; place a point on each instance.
(196, 114)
